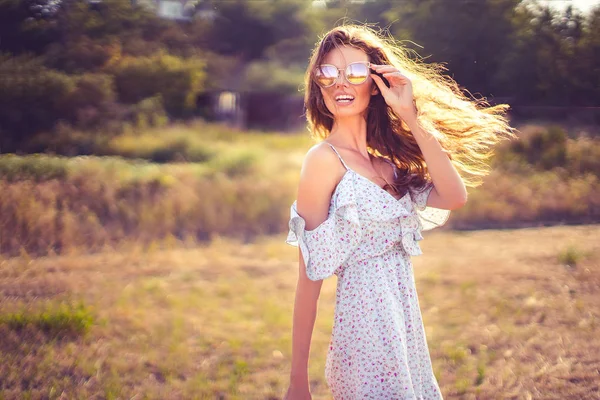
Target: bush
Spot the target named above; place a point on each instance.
(109, 201)
(273, 76)
(32, 98)
(150, 112)
(544, 149)
(93, 90)
(66, 140)
(570, 256)
(161, 148)
(237, 163)
(36, 167)
(176, 79)
(583, 155)
(83, 54)
(88, 103)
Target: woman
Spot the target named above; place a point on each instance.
(394, 134)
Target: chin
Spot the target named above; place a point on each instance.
(348, 114)
(345, 112)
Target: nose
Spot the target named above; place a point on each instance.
(341, 79)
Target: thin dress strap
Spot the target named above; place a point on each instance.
(394, 167)
(338, 154)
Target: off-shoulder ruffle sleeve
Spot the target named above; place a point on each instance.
(429, 217)
(326, 248)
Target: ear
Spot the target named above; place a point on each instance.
(374, 90)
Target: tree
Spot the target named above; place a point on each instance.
(469, 35)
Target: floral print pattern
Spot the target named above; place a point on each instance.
(378, 348)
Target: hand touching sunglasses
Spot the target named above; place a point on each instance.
(398, 94)
(355, 73)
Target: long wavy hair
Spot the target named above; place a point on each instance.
(466, 128)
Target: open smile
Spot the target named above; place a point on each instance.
(344, 99)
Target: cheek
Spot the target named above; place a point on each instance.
(328, 100)
(367, 89)
(364, 94)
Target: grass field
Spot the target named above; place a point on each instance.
(190, 182)
(511, 314)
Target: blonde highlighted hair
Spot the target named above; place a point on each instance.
(466, 128)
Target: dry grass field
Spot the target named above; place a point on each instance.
(199, 180)
(509, 314)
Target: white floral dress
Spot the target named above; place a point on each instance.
(378, 348)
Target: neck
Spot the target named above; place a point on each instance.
(351, 132)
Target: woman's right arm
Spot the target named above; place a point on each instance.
(305, 312)
(318, 177)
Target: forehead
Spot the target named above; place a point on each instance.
(344, 55)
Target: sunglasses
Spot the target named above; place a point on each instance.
(355, 73)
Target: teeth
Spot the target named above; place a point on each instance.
(344, 97)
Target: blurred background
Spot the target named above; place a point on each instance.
(150, 151)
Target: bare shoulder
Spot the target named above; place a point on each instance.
(320, 173)
(321, 158)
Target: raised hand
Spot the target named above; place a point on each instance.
(399, 96)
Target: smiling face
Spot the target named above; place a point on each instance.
(342, 98)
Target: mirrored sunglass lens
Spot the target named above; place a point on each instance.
(357, 73)
(326, 75)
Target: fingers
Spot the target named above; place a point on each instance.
(395, 74)
(380, 84)
(390, 72)
(384, 68)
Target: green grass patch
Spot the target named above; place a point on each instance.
(36, 167)
(56, 320)
(570, 256)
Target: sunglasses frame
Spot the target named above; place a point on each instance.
(367, 63)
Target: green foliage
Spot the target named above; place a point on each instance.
(65, 319)
(100, 62)
(583, 156)
(236, 163)
(241, 184)
(150, 112)
(292, 52)
(31, 96)
(93, 90)
(37, 167)
(83, 54)
(176, 79)
(544, 149)
(273, 76)
(161, 148)
(106, 18)
(87, 105)
(106, 201)
(480, 374)
(533, 54)
(550, 57)
(67, 140)
(250, 27)
(570, 256)
(470, 36)
(550, 149)
(196, 142)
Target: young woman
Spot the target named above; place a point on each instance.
(393, 135)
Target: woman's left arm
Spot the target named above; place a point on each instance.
(449, 191)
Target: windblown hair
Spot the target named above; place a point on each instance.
(466, 128)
